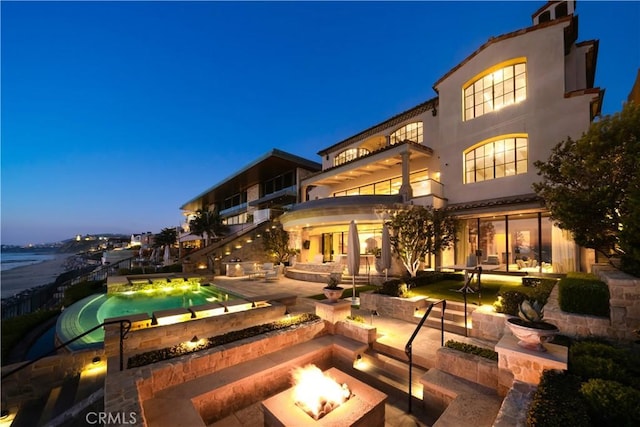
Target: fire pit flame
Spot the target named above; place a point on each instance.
(316, 393)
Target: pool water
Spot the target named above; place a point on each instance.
(93, 310)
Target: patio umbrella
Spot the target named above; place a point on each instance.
(353, 256)
(385, 252)
(154, 255)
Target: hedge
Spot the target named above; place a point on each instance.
(581, 294)
(611, 403)
(557, 402)
(472, 349)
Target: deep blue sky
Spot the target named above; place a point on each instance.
(114, 114)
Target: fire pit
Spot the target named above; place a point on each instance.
(354, 403)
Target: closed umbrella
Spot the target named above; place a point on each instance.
(385, 253)
(353, 256)
(167, 254)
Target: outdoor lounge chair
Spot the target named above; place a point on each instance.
(271, 275)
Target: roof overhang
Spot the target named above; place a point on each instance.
(376, 161)
(503, 205)
(396, 120)
(266, 167)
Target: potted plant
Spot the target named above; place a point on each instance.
(333, 291)
(530, 328)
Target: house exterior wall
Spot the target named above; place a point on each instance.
(546, 116)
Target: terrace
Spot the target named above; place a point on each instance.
(234, 383)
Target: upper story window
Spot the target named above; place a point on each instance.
(496, 158)
(496, 88)
(235, 200)
(411, 131)
(278, 183)
(348, 155)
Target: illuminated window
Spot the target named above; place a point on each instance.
(418, 180)
(348, 155)
(411, 131)
(496, 159)
(495, 90)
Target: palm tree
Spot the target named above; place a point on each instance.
(207, 222)
(167, 236)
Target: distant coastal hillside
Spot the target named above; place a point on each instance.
(71, 246)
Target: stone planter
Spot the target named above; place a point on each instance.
(333, 294)
(532, 335)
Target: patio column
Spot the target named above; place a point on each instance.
(405, 188)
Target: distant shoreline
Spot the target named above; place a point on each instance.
(19, 279)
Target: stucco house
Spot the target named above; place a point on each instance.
(469, 149)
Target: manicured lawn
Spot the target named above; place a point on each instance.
(446, 289)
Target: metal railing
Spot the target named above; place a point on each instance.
(408, 348)
(47, 296)
(125, 327)
(466, 289)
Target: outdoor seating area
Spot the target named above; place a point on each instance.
(266, 271)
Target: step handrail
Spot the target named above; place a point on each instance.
(467, 288)
(125, 327)
(408, 349)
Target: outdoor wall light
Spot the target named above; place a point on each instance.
(4, 414)
(194, 339)
(96, 360)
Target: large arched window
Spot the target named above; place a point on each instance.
(496, 88)
(496, 158)
(349, 154)
(411, 131)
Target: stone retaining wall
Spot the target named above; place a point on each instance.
(312, 272)
(157, 337)
(125, 391)
(46, 373)
(624, 308)
(625, 300)
(477, 369)
(576, 325)
(395, 307)
(357, 331)
(487, 324)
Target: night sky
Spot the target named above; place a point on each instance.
(116, 113)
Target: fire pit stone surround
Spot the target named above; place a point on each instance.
(365, 408)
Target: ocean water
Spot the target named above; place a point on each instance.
(10, 260)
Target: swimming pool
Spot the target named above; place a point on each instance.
(93, 310)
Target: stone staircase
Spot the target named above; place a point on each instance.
(65, 404)
(453, 317)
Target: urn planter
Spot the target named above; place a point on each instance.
(532, 335)
(333, 294)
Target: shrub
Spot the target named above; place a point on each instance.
(472, 349)
(557, 402)
(535, 282)
(159, 355)
(583, 296)
(592, 359)
(16, 328)
(394, 288)
(611, 403)
(509, 302)
(427, 277)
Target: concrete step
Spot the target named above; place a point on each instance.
(392, 372)
(66, 398)
(47, 411)
(462, 402)
(29, 412)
